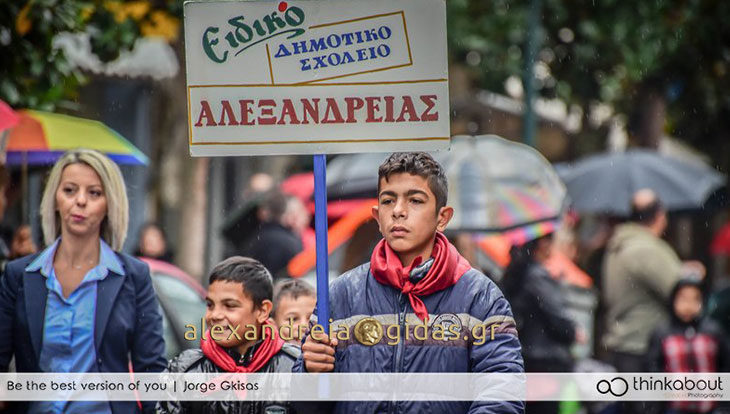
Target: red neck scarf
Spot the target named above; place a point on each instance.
(448, 266)
(268, 348)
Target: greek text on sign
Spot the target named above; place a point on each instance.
(316, 76)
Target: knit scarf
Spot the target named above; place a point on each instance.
(447, 268)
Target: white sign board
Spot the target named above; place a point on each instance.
(318, 76)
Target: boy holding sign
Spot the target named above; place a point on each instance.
(415, 279)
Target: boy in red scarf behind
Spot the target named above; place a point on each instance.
(239, 298)
(415, 277)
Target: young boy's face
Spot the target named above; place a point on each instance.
(688, 303)
(291, 314)
(229, 306)
(407, 216)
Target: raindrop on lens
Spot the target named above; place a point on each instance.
(566, 35)
(473, 58)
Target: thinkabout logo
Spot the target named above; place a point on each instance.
(617, 386)
(677, 384)
(671, 386)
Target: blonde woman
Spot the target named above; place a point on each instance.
(80, 305)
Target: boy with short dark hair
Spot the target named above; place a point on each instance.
(415, 276)
(294, 302)
(239, 303)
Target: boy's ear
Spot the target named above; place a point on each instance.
(443, 217)
(374, 212)
(263, 311)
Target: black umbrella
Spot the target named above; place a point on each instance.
(605, 183)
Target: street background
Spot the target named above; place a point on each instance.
(636, 84)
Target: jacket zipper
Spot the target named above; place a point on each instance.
(399, 350)
(402, 322)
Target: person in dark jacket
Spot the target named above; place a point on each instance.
(13, 244)
(546, 332)
(80, 305)
(414, 276)
(274, 244)
(688, 343)
(239, 294)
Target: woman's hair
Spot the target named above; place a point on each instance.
(151, 225)
(114, 225)
(167, 254)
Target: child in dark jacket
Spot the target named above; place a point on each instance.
(238, 299)
(688, 344)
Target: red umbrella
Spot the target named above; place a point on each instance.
(302, 186)
(299, 185)
(8, 117)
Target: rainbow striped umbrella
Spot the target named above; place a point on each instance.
(8, 117)
(497, 185)
(517, 206)
(40, 138)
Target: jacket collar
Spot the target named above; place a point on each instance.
(244, 359)
(108, 260)
(36, 292)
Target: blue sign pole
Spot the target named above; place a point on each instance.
(320, 228)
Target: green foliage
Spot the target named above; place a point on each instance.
(605, 50)
(33, 74)
(108, 37)
(498, 47)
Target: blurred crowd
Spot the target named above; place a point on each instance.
(651, 311)
(646, 309)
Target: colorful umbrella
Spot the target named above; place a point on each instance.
(41, 138)
(8, 117)
(521, 235)
(495, 185)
